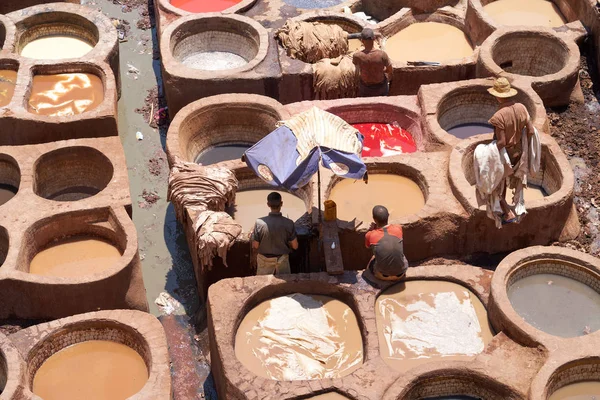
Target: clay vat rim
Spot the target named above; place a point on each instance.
(107, 37)
(218, 103)
(483, 16)
(465, 192)
(569, 68)
(540, 387)
(141, 325)
(243, 5)
(5, 157)
(175, 68)
(287, 288)
(124, 229)
(449, 370)
(330, 180)
(84, 153)
(106, 107)
(504, 315)
(402, 20)
(15, 367)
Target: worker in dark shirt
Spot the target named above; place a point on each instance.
(374, 67)
(388, 262)
(274, 237)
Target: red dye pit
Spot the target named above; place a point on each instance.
(385, 140)
(202, 6)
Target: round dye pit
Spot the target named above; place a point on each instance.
(75, 257)
(385, 140)
(355, 199)
(526, 13)
(589, 390)
(93, 370)
(530, 193)
(464, 131)
(300, 337)
(329, 396)
(453, 398)
(3, 244)
(313, 4)
(428, 321)
(71, 174)
(56, 47)
(8, 80)
(203, 6)
(65, 95)
(514, 53)
(554, 303)
(252, 204)
(429, 41)
(220, 153)
(214, 60)
(10, 178)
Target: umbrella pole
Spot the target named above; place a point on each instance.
(319, 193)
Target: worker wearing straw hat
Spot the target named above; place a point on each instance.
(509, 122)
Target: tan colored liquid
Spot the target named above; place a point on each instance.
(252, 204)
(329, 396)
(531, 193)
(428, 321)
(92, 370)
(74, 258)
(56, 48)
(429, 41)
(300, 337)
(354, 45)
(525, 12)
(8, 80)
(578, 391)
(65, 94)
(355, 199)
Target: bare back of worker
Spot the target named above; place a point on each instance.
(374, 66)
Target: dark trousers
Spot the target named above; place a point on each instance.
(379, 89)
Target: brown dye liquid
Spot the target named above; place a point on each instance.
(531, 193)
(75, 257)
(428, 321)
(65, 94)
(429, 41)
(525, 12)
(252, 204)
(578, 391)
(464, 131)
(354, 45)
(7, 192)
(92, 370)
(300, 337)
(556, 304)
(355, 199)
(56, 47)
(329, 396)
(226, 152)
(8, 79)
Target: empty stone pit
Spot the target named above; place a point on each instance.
(270, 338)
(219, 129)
(10, 178)
(218, 44)
(56, 35)
(388, 129)
(71, 174)
(2, 34)
(579, 379)
(407, 314)
(78, 359)
(4, 242)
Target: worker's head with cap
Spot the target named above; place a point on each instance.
(380, 216)
(274, 201)
(367, 36)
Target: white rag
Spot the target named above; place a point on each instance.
(488, 166)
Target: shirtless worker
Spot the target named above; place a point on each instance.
(387, 242)
(274, 236)
(509, 122)
(374, 66)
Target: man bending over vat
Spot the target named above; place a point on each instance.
(388, 262)
(374, 66)
(274, 236)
